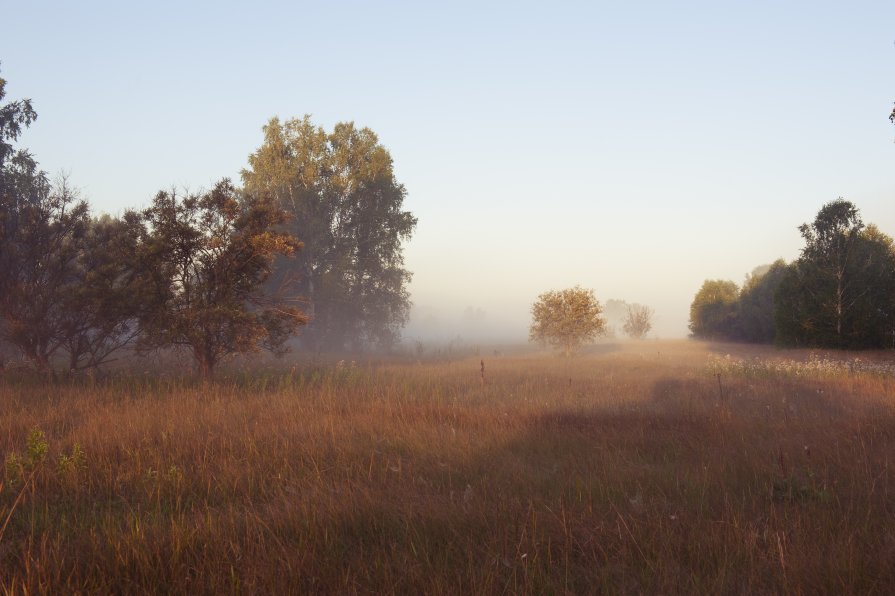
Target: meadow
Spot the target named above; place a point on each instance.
(651, 467)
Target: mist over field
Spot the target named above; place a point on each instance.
(459, 298)
(584, 144)
(502, 319)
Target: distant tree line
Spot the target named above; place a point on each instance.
(839, 293)
(218, 272)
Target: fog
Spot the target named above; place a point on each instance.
(505, 320)
(587, 145)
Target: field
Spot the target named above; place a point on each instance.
(658, 467)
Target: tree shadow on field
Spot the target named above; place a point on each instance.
(588, 487)
(629, 495)
(672, 393)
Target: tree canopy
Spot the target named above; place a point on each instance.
(347, 207)
(566, 319)
(20, 179)
(206, 258)
(713, 310)
(839, 293)
(756, 304)
(40, 273)
(638, 321)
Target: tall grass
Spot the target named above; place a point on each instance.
(634, 470)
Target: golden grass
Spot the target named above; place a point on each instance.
(627, 470)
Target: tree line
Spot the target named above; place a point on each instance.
(839, 292)
(311, 240)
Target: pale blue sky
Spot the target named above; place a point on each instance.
(636, 148)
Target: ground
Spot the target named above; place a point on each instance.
(651, 467)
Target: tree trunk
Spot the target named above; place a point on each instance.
(40, 360)
(840, 291)
(205, 363)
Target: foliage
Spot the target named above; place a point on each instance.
(20, 180)
(76, 461)
(638, 321)
(713, 310)
(18, 466)
(61, 274)
(839, 293)
(346, 206)
(566, 319)
(103, 307)
(756, 304)
(615, 314)
(205, 260)
(39, 271)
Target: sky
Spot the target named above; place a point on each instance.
(635, 148)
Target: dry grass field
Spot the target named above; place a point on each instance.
(659, 467)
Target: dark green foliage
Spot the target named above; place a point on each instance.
(713, 310)
(103, 307)
(839, 293)
(755, 307)
(20, 180)
(40, 272)
(63, 276)
(14, 116)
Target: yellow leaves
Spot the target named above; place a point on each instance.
(270, 243)
(566, 318)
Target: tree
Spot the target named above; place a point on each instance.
(713, 310)
(828, 253)
(39, 270)
(102, 308)
(874, 312)
(566, 319)
(839, 293)
(614, 313)
(756, 305)
(207, 257)
(14, 117)
(638, 321)
(50, 261)
(346, 206)
(19, 180)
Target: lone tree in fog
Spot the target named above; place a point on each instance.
(566, 319)
(638, 321)
(206, 258)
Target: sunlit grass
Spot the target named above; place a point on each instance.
(635, 468)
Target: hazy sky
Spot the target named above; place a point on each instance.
(635, 148)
